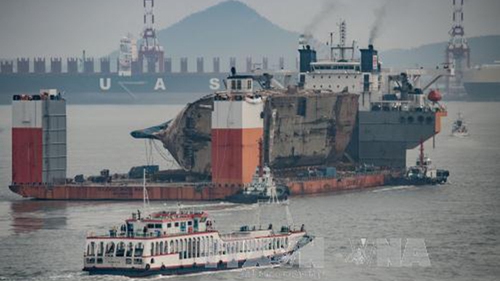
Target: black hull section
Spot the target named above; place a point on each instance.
(417, 182)
(184, 270)
(477, 91)
(177, 88)
(251, 199)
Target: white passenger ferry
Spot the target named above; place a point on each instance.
(174, 243)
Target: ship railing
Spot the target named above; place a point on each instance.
(138, 234)
(407, 106)
(121, 234)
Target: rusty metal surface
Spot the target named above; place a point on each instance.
(189, 192)
(306, 127)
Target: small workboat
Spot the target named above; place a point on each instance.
(459, 128)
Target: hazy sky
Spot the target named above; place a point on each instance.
(66, 27)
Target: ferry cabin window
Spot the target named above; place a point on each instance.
(110, 249)
(238, 83)
(150, 225)
(130, 249)
(176, 224)
(169, 225)
(158, 225)
(190, 223)
(120, 249)
(100, 249)
(139, 248)
(91, 249)
(233, 84)
(249, 84)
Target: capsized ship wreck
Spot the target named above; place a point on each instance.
(339, 116)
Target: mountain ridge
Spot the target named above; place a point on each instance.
(233, 29)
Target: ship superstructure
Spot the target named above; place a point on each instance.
(342, 71)
(236, 129)
(175, 243)
(39, 138)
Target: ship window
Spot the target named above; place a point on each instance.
(233, 84)
(158, 225)
(190, 223)
(150, 225)
(249, 84)
(120, 249)
(238, 85)
(169, 225)
(110, 249)
(176, 224)
(138, 250)
(92, 248)
(100, 249)
(130, 249)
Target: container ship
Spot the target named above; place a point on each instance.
(139, 73)
(483, 82)
(338, 129)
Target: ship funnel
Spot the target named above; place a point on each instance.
(307, 56)
(369, 60)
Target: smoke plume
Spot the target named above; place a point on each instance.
(380, 16)
(327, 8)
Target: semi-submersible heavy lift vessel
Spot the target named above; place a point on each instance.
(339, 117)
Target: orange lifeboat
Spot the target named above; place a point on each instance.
(434, 96)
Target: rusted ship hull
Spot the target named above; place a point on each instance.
(322, 120)
(187, 192)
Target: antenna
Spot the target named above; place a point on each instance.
(331, 45)
(145, 196)
(421, 156)
(341, 46)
